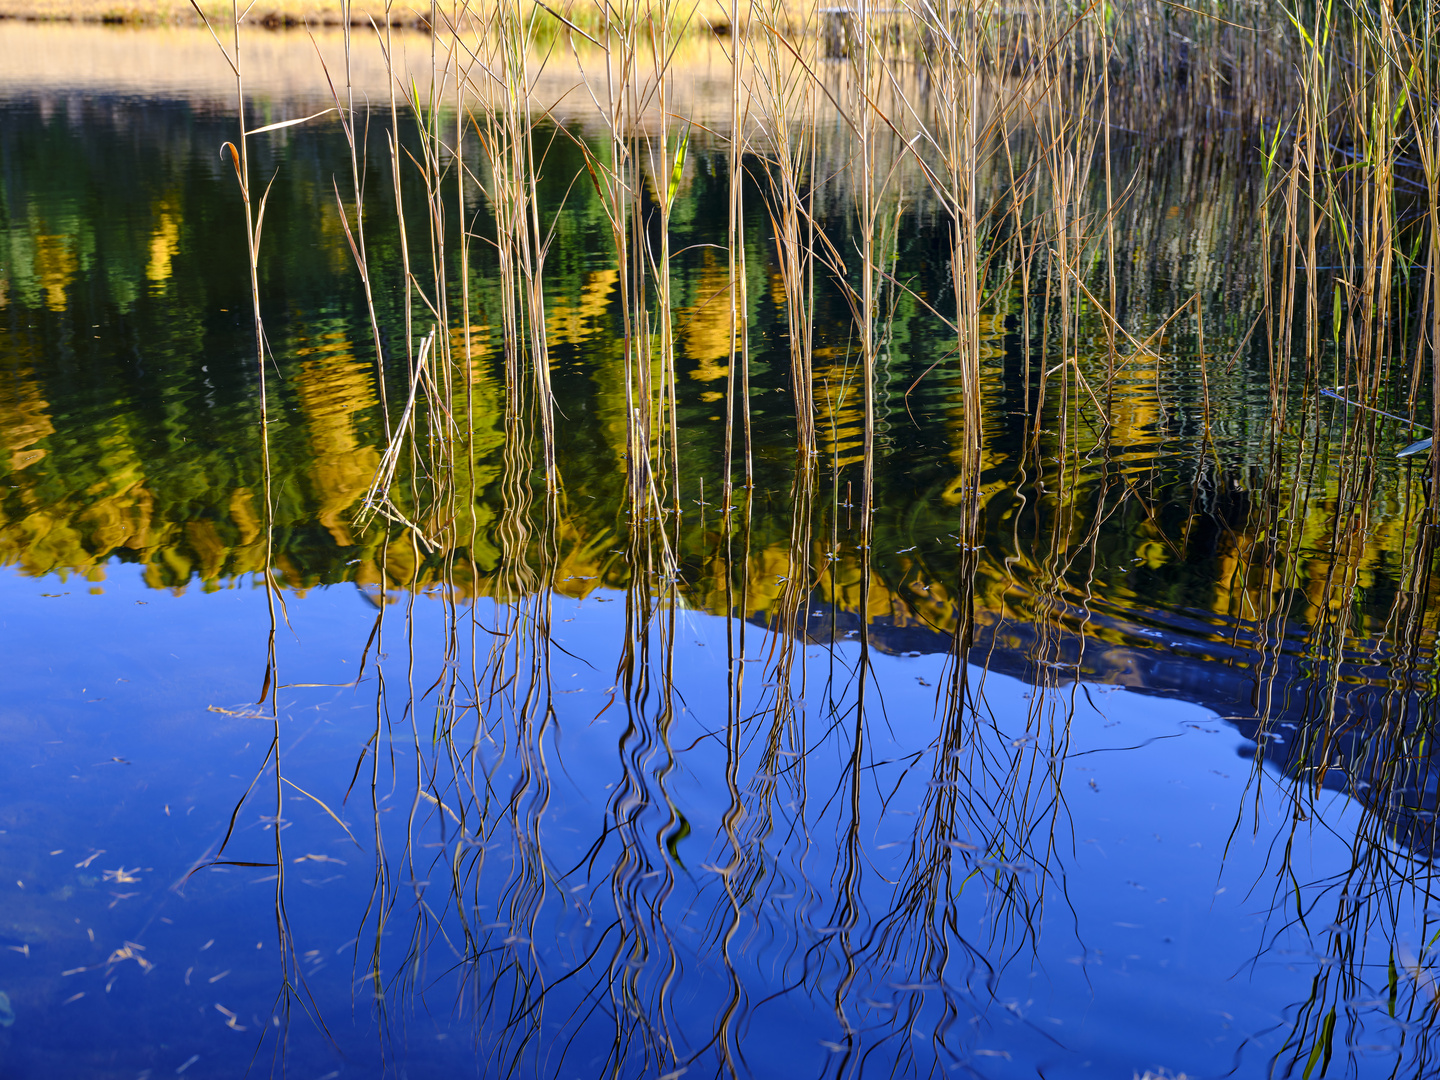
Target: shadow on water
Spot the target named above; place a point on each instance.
(753, 525)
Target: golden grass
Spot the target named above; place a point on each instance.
(710, 16)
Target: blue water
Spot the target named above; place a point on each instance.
(1137, 925)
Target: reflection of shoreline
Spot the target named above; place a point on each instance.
(1277, 694)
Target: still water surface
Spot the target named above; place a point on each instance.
(1171, 831)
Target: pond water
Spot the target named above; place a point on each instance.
(1132, 778)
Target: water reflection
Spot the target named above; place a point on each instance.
(784, 802)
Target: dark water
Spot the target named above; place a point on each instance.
(1183, 825)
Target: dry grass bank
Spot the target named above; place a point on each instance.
(710, 16)
(177, 61)
(181, 61)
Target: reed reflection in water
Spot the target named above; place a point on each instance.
(602, 835)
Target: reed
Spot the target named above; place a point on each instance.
(997, 127)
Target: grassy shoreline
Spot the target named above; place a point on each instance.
(168, 13)
(284, 67)
(710, 17)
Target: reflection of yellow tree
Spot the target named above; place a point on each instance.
(24, 418)
(55, 267)
(706, 325)
(478, 386)
(80, 530)
(112, 507)
(164, 240)
(574, 322)
(839, 399)
(991, 350)
(1136, 411)
(1327, 556)
(332, 385)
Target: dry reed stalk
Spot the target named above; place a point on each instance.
(293, 981)
(254, 223)
(667, 168)
(785, 99)
(356, 236)
(737, 382)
